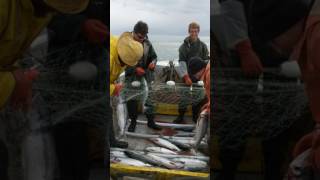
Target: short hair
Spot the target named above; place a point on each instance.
(194, 25)
(141, 27)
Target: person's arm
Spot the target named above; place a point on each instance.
(207, 81)
(310, 68)
(152, 58)
(111, 83)
(205, 52)
(16, 87)
(69, 28)
(112, 87)
(182, 53)
(115, 88)
(183, 69)
(66, 28)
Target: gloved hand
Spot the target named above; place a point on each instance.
(312, 141)
(117, 89)
(21, 97)
(140, 71)
(151, 66)
(95, 31)
(250, 62)
(187, 80)
(206, 108)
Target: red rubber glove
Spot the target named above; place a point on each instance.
(117, 89)
(151, 66)
(250, 62)
(187, 80)
(140, 71)
(95, 31)
(311, 140)
(21, 97)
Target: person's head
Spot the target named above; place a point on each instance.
(140, 31)
(194, 30)
(196, 67)
(42, 7)
(129, 50)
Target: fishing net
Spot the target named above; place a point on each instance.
(264, 106)
(64, 96)
(159, 91)
(162, 93)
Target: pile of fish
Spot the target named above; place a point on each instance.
(165, 155)
(171, 152)
(148, 159)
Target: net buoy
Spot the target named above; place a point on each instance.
(83, 70)
(290, 69)
(171, 83)
(200, 83)
(136, 84)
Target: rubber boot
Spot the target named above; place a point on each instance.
(180, 119)
(119, 144)
(195, 113)
(132, 126)
(114, 142)
(151, 123)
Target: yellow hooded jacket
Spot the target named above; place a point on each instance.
(18, 28)
(115, 67)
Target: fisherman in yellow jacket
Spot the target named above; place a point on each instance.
(20, 23)
(124, 52)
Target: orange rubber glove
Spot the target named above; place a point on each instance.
(187, 80)
(21, 97)
(311, 140)
(250, 62)
(95, 31)
(140, 71)
(117, 89)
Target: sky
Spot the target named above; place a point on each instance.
(164, 17)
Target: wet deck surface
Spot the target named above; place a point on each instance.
(141, 144)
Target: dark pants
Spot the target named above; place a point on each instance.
(133, 105)
(196, 107)
(188, 98)
(72, 150)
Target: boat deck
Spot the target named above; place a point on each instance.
(139, 144)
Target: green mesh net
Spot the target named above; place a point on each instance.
(159, 91)
(264, 106)
(63, 96)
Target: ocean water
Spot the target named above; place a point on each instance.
(167, 47)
